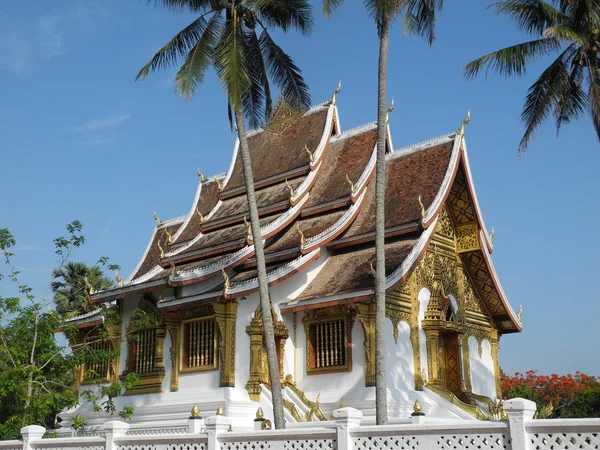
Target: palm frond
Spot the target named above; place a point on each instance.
(285, 73)
(511, 60)
(573, 101)
(183, 5)
(199, 59)
(531, 16)
(544, 95)
(253, 100)
(176, 48)
(420, 18)
(383, 12)
(594, 89)
(564, 33)
(284, 14)
(331, 6)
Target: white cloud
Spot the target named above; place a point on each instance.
(29, 247)
(99, 124)
(27, 41)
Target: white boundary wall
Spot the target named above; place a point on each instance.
(520, 432)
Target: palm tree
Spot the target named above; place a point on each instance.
(70, 286)
(419, 17)
(571, 83)
(226, 36)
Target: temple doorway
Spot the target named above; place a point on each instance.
(451, 355)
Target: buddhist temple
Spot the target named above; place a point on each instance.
(197, 283)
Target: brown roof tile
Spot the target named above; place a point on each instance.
(153, 256)
(207, 201)
(274, 153)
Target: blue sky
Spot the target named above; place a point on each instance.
(80, 140)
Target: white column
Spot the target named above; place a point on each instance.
(30, 434)
(519, 412)
(216, 425)
(195, 425)
(345, 420)
(114, 429)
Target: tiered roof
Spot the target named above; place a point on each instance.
(315, 193)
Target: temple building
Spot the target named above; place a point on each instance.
(197, 284)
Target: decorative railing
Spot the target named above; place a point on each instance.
(344, 432)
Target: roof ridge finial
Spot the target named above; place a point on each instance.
(352, 187)
(201, 175)
(300, 232)
(390, 109)
(290, 188)
(466, 120)
(520, 314)
(170, 239)
(202, 219)
(336, 92)
(423, 212)
(119, 279)
(160, 249)
(158, 221)
(173, 274)
(228, 284)
(248, 227)
(310, 154)
(492, 234)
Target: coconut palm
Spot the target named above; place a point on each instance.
(419, 17)
(570, 85)
(232, 36)
(71, 284)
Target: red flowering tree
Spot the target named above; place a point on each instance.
(569, 395)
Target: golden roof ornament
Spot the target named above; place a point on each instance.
(195, 411)
(220, 411)
(352, 187)
(202, 219)
(158, 221)
(119, 280)
(290, 188)
(220, 184)
(201, 175)
(520, 314)
(89, 286)
(423, 213)
(417, 409)
(170, 239)
(492, 234)
(172, 267)
(302, 238)
(466, 120)
(260, 415)
(373, 271)
(161, 250)
(311, 157)
(389, 110)
(226, 278)
(248, 227)
(336, 92)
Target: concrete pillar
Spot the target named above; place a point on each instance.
(345, 420)
(216, 425)
(114, 429)
(30, 434)
(519, 412)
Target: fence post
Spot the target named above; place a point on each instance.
(519, 411)
(114, 429)
(345, 420)
(216, 425)
(30, 434)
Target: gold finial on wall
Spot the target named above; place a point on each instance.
(202, 219)
(311, 157)
(423, 213)
(226, 278)
(158, 221)
(352, 187)
(290, 188)
(220, 411)
(201, 176)
(196, 411)
(466, 120)
(260, 414)
(160, 249)
(302, 238)
(336, 92)
(417, 408)
(119, 279)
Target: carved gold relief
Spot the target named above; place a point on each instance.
(366, 316)
(467, 238)
(226, 318)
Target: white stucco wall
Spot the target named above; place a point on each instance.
(482, 368)
(399, 356)
(423, 298)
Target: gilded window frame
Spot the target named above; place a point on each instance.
(182, 340)
(310, 352)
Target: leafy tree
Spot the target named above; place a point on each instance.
(233, 37)
(36, 373)
(570, 85)
(419, 17)
(563, 396)
(71, 284)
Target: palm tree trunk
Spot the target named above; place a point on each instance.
(380, 363)
(265, 301)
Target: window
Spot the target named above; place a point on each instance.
(98, 366)
(199, 345)
(143, 350)
(328, 344)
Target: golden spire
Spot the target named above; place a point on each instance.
(290, 188)
(226, 278)
(520, 315)
(201, 176)
(220, 411)
(160, 249)
(492, 234)
(169, 237)
(310, 155)
(119, 279)
(158, 221)
(336, 92)
(466, 120)
(260, 415)
(352, 187)
(202, 219)
(196, 411)
(248, 227)
(302, 238)
(423, 213)
(417, 408)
